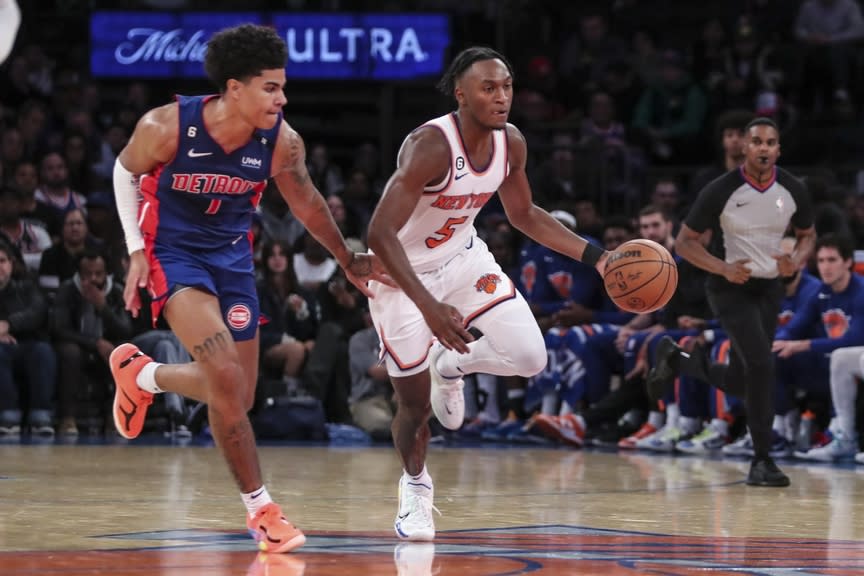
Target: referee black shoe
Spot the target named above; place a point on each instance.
(667, 363)
(764, 472)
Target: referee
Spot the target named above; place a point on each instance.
(749, 209)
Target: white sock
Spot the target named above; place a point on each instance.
(779, 425)
(446, 365)
(655, 418)
(549, 403)
(581, 422)
(256, 500)
(422, 478)
(673, 414)
(690, 425)
(146, 378)
(489, 384)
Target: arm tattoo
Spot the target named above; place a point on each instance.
(211, 346)
(301, 177)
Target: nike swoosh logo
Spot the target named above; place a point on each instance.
(257, 494)
(739, 204)
(458, 176)
(403, 516)
(267, 535)
(447, 408)
(193, 154)
(128, 415)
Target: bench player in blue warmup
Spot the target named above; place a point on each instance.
(200, 165)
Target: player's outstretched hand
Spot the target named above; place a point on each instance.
(737, 272)
(139, 272)
(366, 267)
(447, 325)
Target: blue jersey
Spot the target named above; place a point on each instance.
(807, 288)
(839, 318)
(196, 217)
(203, 199)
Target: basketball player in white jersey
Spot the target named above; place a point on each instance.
(423, 231)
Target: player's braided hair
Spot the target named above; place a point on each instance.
(242, 53)
(463, 61)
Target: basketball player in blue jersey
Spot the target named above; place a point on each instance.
(200, 165)
(423, 232)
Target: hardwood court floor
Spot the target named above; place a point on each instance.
(162, 510)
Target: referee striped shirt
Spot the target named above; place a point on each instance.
(748, 219)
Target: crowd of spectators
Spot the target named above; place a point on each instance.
(626, 120)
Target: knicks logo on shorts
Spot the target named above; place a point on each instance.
(239, 316)
(488, 283)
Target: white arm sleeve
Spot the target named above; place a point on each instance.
(126, 195)
(10, 19)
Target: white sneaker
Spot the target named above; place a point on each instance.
(840, 448)
(713, 437)
(448, 401)
(414, 520)
(414, 558)
(859, 457)
(741, 447)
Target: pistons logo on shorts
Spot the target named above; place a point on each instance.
(239, 316)
(488, 283)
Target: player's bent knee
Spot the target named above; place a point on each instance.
(530, 358)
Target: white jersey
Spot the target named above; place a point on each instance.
(442, 223)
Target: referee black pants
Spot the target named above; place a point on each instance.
(748, 312)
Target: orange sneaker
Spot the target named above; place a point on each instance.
(130, 402)
(273, 532)
(564, 428)
(629, 443)
(276, 565)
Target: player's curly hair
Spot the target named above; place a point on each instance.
(463, 61)
(242, 52)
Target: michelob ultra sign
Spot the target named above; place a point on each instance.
(369, 46)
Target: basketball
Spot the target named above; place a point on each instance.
(640, 276)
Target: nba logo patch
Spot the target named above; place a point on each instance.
(488, 283)
(239, 316)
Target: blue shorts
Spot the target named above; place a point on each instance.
(231, 279)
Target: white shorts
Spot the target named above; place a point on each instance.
(471, 281)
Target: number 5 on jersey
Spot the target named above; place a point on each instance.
(444, 233)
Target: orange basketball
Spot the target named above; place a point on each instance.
(640, 276)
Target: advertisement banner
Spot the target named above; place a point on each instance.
(320, 45)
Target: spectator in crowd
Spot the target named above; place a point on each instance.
(326, 175)
(29, 237)
(28, 366)
(371, 391)
(730, 140)
(312, 263)
(54, 196)
(89, 320)
(60, 262)
(828, 29)
(79, 160)
(289, 334)
(669, 117)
